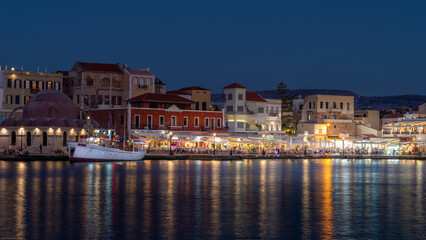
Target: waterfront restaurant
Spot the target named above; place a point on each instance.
(411, 132)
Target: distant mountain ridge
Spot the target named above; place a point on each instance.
(361, 102)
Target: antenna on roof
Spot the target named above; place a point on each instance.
(38, 69)
(45, 69)
(22, 68)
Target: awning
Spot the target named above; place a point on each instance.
(251, 106)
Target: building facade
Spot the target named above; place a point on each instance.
(370, 118)
(200, 96)
(327, 115)
(18, 86)
(250, 112)
(153, 112)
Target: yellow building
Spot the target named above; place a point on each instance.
(18, 86)
(200, 96)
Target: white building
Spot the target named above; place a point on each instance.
(250, 112)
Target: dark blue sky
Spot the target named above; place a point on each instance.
(369, 47)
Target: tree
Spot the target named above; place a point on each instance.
(287, 117)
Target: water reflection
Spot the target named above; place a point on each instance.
(305, 199)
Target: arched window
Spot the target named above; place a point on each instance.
(44, 139)
(13, 140)
(28, 139)
(64, 139)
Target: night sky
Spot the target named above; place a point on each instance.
(369, 47)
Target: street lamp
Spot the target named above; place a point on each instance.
(170, 146)
(263, 140)
(214, 144)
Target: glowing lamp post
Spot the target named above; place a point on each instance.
(170, 146)
(214, 144)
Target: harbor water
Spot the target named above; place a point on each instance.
(191, 199)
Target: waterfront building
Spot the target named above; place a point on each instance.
(154, 113)
(200, 96)
(393, 117)
(370, 118)
(327, 115)
(100, 85)
(18, 86)
(411, 132)
(248, 112)
(50, 120)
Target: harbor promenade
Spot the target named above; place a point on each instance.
(158, 156)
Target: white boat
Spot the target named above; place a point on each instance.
(86, 152)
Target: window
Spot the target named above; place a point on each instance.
(9, 83)
(106, 100)
(33, 85)
(149, 121)
(310, 105)
(240, 124)
(321, 105)
(28, 139)
(196, 122)
(64, 139)
(113, 99)
(240, 96)
(17, 99)
(153, 105)
(100, 98)
(212, 124)
(1, 117)
(78, 98)
(18, 83)
(334, 105)
(134, 80)
(348, 106)
(27, 84)
(309, 117)
(341, 105)
(57, 86)
(240, 108)
(105, 82)
(13, 138)
(121, 119)
(86, 99)
(89, 82)
(197, 106)
(219, 122)
(315, 105)
(9, 99)
(204, 105)
(173, 121)
(137, 121)
(93, 99)
(44, 139)
(229, 96)
(260, 110)
(49, 85)
(185, 121)
(229, 108)
(161, 122)
(119, 100)
(206, 122)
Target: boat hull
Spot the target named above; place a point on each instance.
(95, 153)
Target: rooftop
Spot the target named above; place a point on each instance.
(101, 67)
(193, 88)
(254, 97)
(234, 85)
(392, 115)
(158, 97)
(144, 72)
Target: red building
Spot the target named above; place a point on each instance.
(154, 111)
